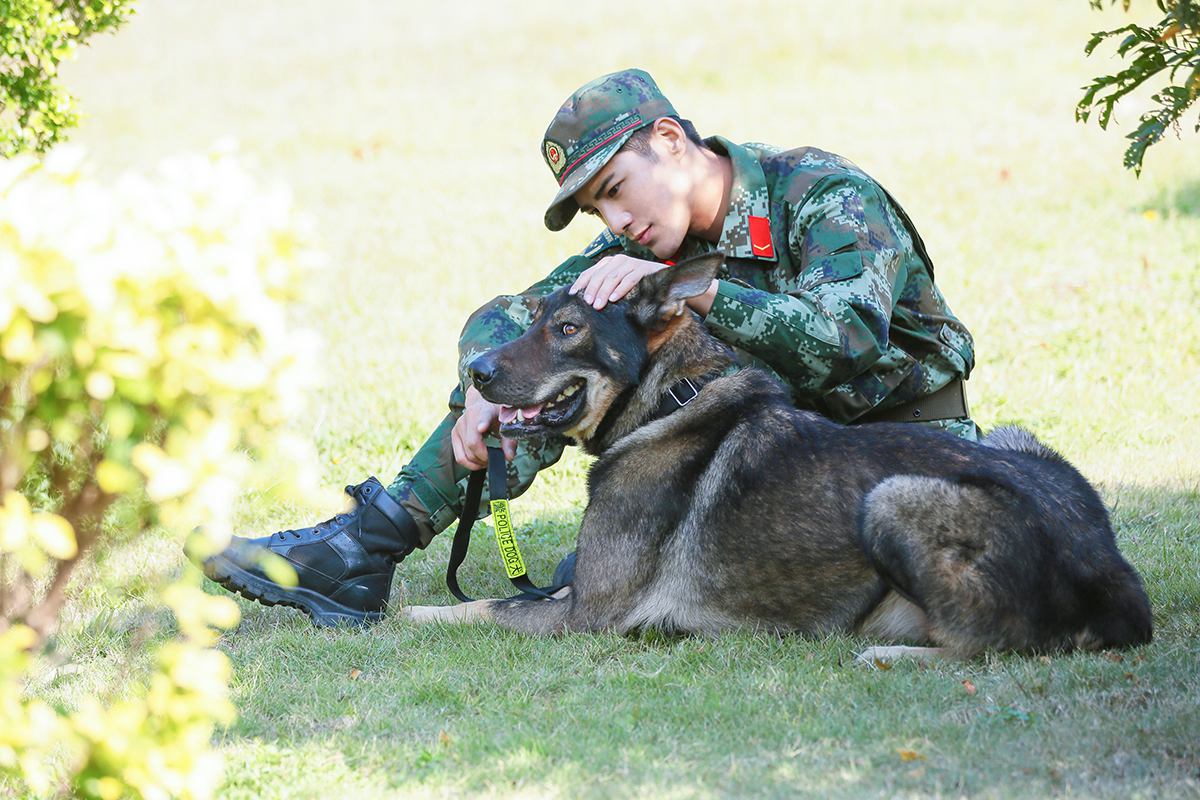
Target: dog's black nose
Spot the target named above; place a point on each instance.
(482, 370)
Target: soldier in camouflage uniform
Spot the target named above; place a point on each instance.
(826, 284)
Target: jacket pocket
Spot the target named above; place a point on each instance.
(833, 259)
(959, 342)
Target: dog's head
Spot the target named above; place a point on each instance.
(563, 374)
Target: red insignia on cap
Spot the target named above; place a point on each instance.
(760, 237)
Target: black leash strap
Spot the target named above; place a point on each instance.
(514, 565)
(462, 536)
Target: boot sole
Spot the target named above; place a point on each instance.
(320, 609)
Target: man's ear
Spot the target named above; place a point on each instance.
(670, 136)
(664, 294)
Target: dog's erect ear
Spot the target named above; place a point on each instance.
(664, 294)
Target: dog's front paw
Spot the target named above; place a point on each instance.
(463, 612)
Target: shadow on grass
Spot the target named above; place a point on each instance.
(1158, 530)
(1181, 200)
(465, 710)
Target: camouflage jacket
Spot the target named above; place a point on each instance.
(825, 284)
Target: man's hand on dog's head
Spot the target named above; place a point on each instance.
(478, 419)
(613, 277)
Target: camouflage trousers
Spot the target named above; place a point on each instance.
(433, 486)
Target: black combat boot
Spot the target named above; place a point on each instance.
(344, 564)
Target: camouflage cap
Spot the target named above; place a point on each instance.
(591, 127)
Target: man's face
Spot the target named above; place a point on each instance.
(645, 199)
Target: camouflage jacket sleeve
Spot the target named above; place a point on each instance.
(827, 319)
(506, 317)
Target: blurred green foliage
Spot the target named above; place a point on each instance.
(1171, 46)
(145, 352)
(35, 37)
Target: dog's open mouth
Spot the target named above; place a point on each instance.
(551, 416)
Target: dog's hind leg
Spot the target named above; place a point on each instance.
(968, 555)
(896, 618)
(885, 654)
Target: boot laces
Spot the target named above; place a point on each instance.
(336, 519)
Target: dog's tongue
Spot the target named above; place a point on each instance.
(509, 414)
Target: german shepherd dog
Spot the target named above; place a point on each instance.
(738, 510)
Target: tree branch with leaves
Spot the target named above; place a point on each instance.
(1170, 49)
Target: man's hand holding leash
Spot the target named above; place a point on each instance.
(478, 419)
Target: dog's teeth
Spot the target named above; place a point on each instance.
(566, 393)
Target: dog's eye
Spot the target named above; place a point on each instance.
(568, 329)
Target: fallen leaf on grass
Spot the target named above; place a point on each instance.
(910, 755)
(354, 673)
(970, 687)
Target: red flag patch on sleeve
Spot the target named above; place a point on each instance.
(760, 237)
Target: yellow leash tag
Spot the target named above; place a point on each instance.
(509, 552)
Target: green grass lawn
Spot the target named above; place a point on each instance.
(411, 138)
